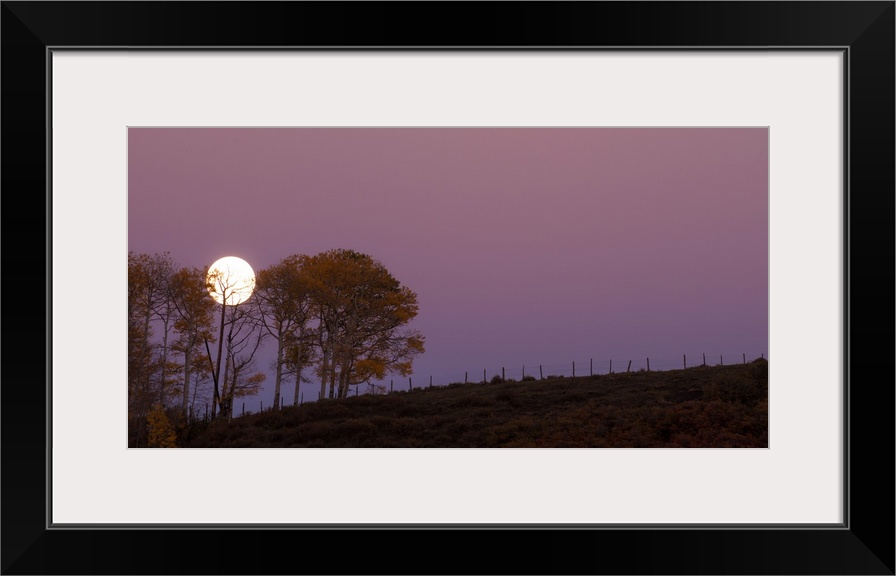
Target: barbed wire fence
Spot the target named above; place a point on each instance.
(520, 373)
(576, 368)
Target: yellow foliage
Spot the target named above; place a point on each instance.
(161, 432)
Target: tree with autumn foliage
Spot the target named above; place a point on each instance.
(148, 277)
(362, 313)
(161, 432)
(340, 311)
(283, 298)
(194, 324)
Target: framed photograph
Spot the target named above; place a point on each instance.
(101, 99)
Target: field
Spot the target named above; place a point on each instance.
(700, 407)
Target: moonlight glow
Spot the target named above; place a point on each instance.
(231, 280)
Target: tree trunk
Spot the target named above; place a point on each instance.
(279, 373)
(216, 375)
(324, 365)
(227, 410)
(143, 388)
(299, 353)
(164, 374)
(343, 381)
(224, 390)
(323, 375)
(333, 363)
(188, 359)
(144, 355)
(198, 379)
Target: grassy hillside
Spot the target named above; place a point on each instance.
(702, 407)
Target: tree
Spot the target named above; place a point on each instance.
(161, 432)
(229, 286)
(148, 277)
(362, 316)
(244, 336)
(201, 385)
(300, 353)
(139, 331)
(282, 296)
(194, 323)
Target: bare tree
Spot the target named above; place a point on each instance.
(229, 288)
(244, 336)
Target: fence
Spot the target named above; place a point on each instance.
(205, 416)
(573, 368)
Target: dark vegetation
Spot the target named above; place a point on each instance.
(701, 407)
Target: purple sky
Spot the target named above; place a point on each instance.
(525, 246)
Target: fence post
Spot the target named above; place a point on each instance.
(301, 398)
(260, 406)
(591, 367)
(704, 358)
(391, 386)
(745, 357)
(465, 377)
(430, 381)
(410, 384)
(648, 364)
(629, 366)
(611, 366)
(721, 361)
(502, 374)
(684, 358)
(281, 402)
(540, 373)
(356, 390)
(573, 369)
(484, 379)
(206, 411)
(244, 409)
(762, 355)
(524, 371)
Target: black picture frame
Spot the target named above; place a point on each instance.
(864, 544)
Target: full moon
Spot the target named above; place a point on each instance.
(231, 280)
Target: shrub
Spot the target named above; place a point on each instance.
(735, 389)
(759, 370)
(528, 378)
(406, 426)
(496, 379)
(467, 401)
(508, 396)
(161, 432)
(456, 431)
(357, 427)
(381, 421)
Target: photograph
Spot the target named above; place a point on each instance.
(441, 287)
(379, 254)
